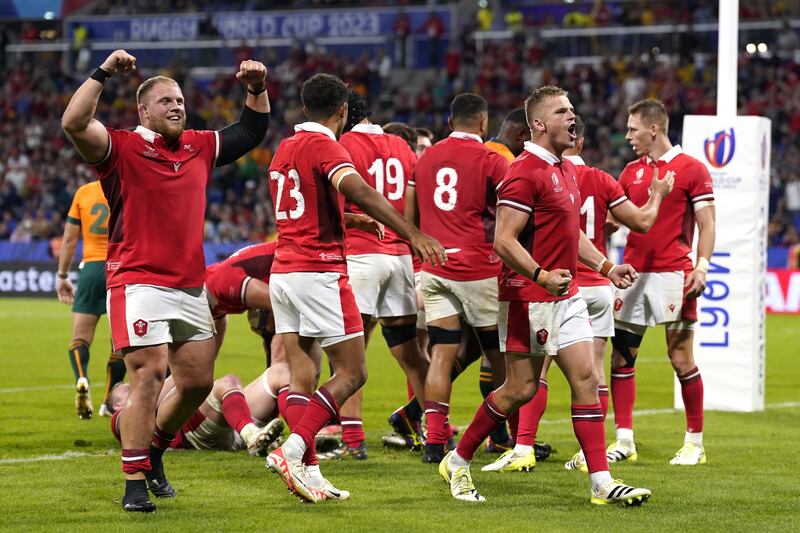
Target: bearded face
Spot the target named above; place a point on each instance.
(162, 111)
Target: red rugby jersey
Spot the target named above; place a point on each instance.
(455, 182)
(225, 281)
(386, 163)
(539, 184)
(666, 247)
(308, 209)
(599, 193)
(157, 200)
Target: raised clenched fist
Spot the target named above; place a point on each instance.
(119, 62)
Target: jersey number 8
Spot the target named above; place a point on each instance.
(294, 192)
(445, 195)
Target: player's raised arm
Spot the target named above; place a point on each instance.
(622, 276)
(355, 189)
(509, 224)
(706, 235)
(87, 133)
(641, 219)
(247, 133)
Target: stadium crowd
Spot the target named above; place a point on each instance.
(39, 171)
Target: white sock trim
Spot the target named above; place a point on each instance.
(522, 449)
(600, 479)
(694, 438)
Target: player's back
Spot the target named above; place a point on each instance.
(254, 260)
(89, 210)
(308, 209)
(386, 163)
(599, 193)
(666, 247)
(455, 182)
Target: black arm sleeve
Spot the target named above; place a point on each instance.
(240, 137)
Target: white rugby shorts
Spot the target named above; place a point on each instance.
(599, 302)
(383, 284)
(475, 300)
(320, 305)
(543, 328)
(421, 323)
(147, 315)
(654, 298)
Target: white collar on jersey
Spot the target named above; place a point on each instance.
(465, 135)
(372, 129)
(575, 160)
(542, 153)
(669, 155)
(147, 135)
(315, 127)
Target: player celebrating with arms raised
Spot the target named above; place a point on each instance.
(667, 290)
(309, 287)
(154, 178)
(538, 238)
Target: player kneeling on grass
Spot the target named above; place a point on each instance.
(538, 238)
(231, 418)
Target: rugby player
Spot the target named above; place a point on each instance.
(154, 178)
(87, 218)
(381, 269)
(310, 177)
(538, 238)
(232, 417)
(669, 284)
(453, 197)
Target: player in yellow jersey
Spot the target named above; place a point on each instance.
(88, 219)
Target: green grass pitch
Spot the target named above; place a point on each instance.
(61, 473)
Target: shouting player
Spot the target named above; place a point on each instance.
(87, 217)
(154, 178)
(453, 197)
(669, 284)
(538, 238)
(310, 177)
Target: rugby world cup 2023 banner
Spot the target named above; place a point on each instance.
(729, 342)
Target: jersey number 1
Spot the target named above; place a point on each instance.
(294, 192)
(588, 209)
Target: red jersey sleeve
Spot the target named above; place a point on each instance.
(614, 194)
(517, 192)
(331, 156)
(116, 140)
(700, 185)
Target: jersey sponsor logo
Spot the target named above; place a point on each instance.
(556, 184)
(541, 336)
(719, 149)
(150, 152)
(140, 328)
(639, 176)
(617, 304)
(188, 148)
(113, 265)
(176, 165)
(330, 257)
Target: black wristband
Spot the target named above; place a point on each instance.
(100, 75)
(258, 91)
(536, 274)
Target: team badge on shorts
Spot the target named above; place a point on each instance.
(541, 336)
(617, 304)
(140, 328)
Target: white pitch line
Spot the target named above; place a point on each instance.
(667, 411)
(15, 390)
(57, 457)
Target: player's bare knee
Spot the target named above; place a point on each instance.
(226, 383)
(278, 375)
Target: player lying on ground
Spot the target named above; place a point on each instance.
(231, 418)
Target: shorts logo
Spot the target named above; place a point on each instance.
(541, 336)
(140, 328)
(671, 308)
(617, 304)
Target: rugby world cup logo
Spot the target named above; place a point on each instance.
(719, 149)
